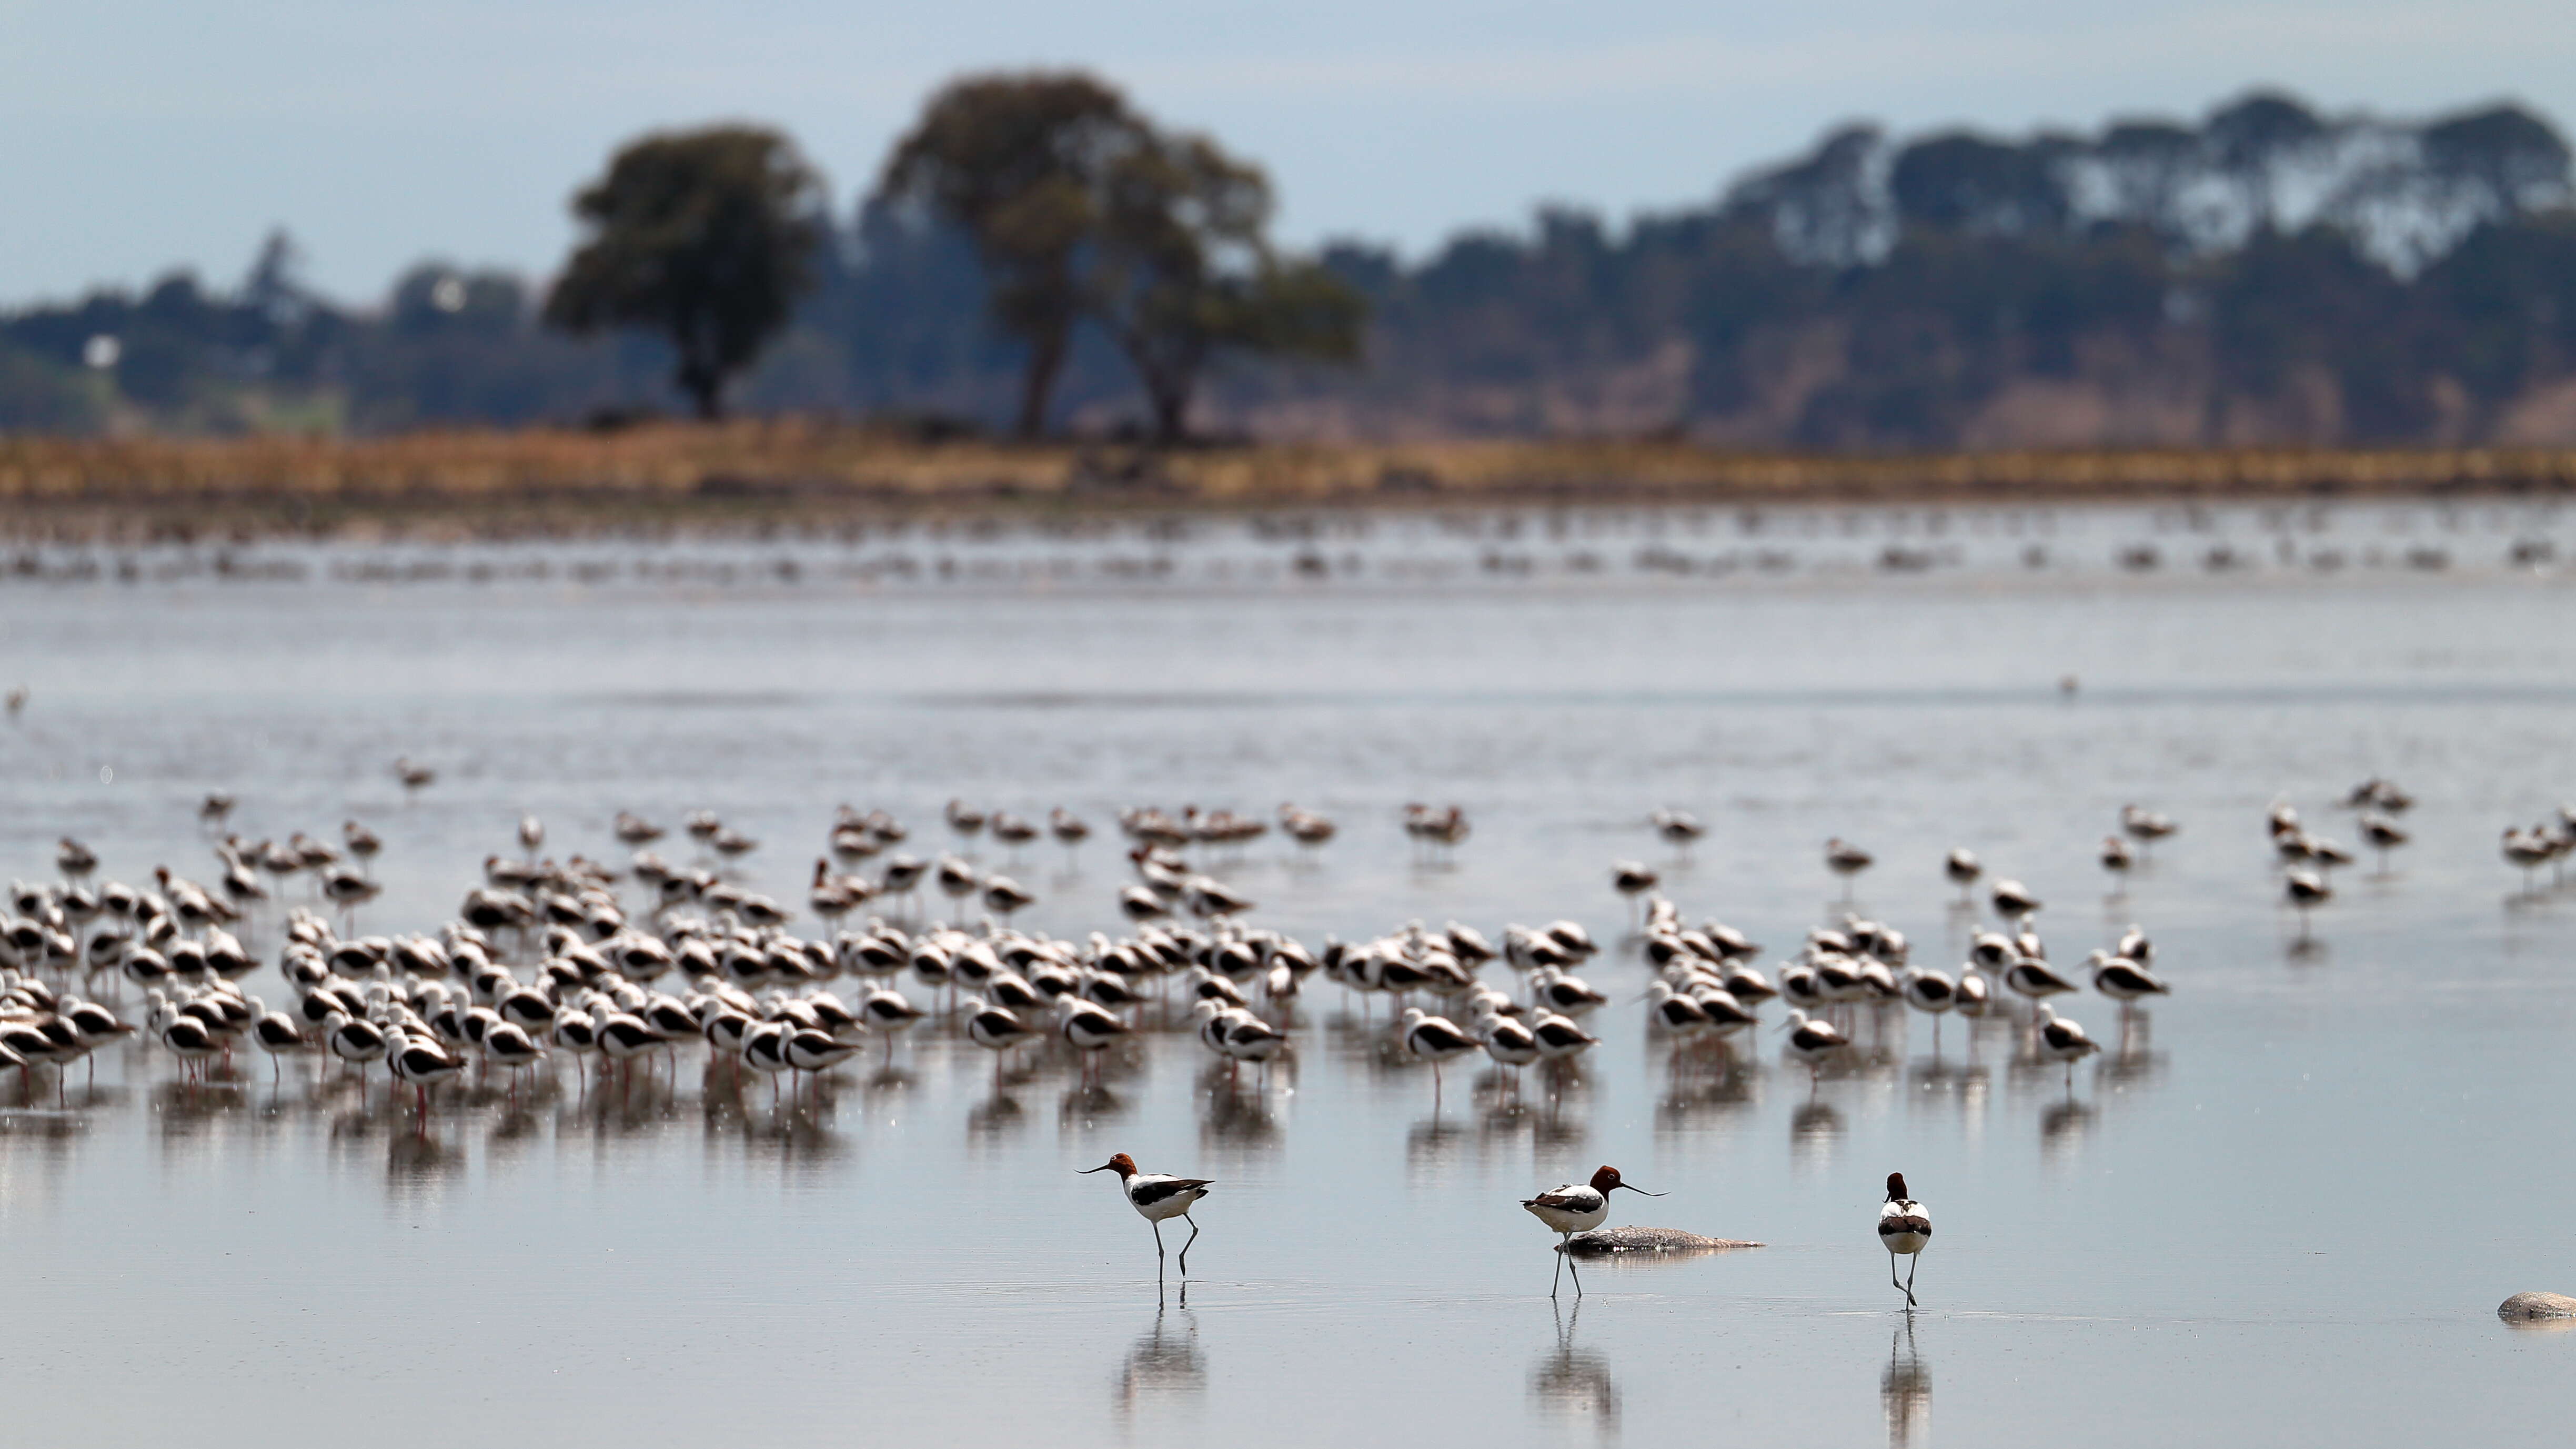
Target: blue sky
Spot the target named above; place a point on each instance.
(145, 135)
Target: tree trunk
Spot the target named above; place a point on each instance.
(706, 392)
(1046, 359)
(1171, 399)
(1168, 379)
(699, 376)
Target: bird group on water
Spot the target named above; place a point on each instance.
(613, 970)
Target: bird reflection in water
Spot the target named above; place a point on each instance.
(1575, 1383)
(1432, 1145)
(510, 1135)
(1814, 1129)
(995, 1117)
(1085, 1104)
(415, 1163)
(2062, 1128)
(1949, 1086)
(1905, 1390)
(1705, 1084)
(1163, 1367)
(2136, 1063)
(1234, 1113)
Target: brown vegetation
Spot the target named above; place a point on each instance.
(803, 469)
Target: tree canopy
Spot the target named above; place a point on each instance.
(1019, 163)
(703, 237)
(1186, 271)
(2266, 273)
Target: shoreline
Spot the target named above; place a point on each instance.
(807, 473)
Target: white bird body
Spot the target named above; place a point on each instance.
(1813, 1042)
(1931, 991)
(1572, 1207)
(2122, 979)
(1434, 1039)
(1973, 1000)
(2029, 976)
(2062, 1040)
(1904, 1226)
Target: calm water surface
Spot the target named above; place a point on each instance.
(2283, 1208)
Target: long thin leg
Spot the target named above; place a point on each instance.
(1574, 1268)
(1911, 1269)
(1185, 1247)
(1158, 1251)
(1891, 1279)
(1560, 1266)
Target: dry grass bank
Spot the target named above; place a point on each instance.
(802, 470)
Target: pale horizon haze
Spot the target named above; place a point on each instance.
(145, 137)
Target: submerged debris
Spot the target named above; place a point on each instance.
(1602, 1242)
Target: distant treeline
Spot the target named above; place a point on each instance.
(2267, 276)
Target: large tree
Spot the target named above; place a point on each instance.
(1019, 161)
(703, 236)
(1186, 271)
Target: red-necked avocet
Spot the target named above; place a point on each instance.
(1576, 1207)
(509, 1046)
(812, 1052)
(1963, 868)
(275, 1033)
(2146, 826)
(1003, 895)
(420, 1064)
(1069, 829)
(1673, 1011)
(576, 1033)
(2122, 979)
(1559, 1038)
(2117, 857)
(1812, 1042)
(1990, 951)
(2029, 976)
(624, 1036)
(995, 1030)
(2014, 902)
(1089, 1027)
(2383, 835)
(1904, 1226)
(1434, 1039)
(1678, 827)
(2064, 1041)
(1156, 1198)
(1846, 860)
(1726, 1015)
(1559, 992)
(2135, 945)
(2305, 890)
(1247, 1038)
(1510, 1043)
(1933, 993)
(1974, 999)
(352, 1040)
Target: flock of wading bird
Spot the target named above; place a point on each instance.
(550, 961)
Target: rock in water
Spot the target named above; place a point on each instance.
(1602, 1242)
(2524, 1307)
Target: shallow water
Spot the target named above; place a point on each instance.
(2285, 1208)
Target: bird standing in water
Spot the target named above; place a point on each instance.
(1576, 1207)
(1156, 1197)
(1904, 1226)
